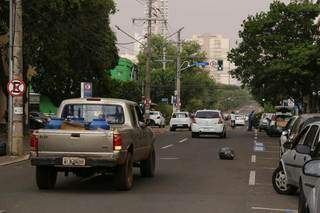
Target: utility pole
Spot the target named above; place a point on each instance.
(16, 72)
(148, 65)
(178, 83)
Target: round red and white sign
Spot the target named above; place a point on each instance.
(87, 86)
(16, 88)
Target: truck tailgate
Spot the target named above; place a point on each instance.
(75, 141)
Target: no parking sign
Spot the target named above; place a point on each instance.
(16, 88)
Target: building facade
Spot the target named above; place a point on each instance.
(160, 10)
(217, 47)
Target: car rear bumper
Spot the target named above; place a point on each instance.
(106, 160)
(176, 126)
(216, 129)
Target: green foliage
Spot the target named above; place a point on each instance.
(269, 108)
(69, 42)
(4, 16)
(278, 56)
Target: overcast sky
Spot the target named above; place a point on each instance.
(197, 16)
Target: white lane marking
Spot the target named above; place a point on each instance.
(169, 158)
(183, 140)
(259, 149)
(256, 138)
(252, 178)
(269, 158)
(271, 209)
(259, 144)
(166, 147)
(253, 159)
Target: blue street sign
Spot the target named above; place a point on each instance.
(201, 64)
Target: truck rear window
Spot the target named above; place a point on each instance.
(207, 114)
(87, 112)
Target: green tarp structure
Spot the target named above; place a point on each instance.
(123, 71)
(46, 105)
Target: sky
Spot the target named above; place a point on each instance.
(197, 16)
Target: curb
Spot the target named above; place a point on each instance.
(18, 160)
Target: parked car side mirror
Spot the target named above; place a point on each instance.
(303, 149)
(285, 133)
(312, 168)
(287, 145)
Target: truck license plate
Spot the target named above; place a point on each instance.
(73, 161)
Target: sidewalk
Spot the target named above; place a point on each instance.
(7, 160)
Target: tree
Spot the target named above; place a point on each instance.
(68, 42)
(163, 81)
(277, 57)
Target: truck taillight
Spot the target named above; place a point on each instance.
(117, 141)
(34, 142)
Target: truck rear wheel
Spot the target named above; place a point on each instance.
(124, 174)
(46, 177)
(147, 167)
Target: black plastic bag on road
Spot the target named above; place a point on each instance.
(226, 153)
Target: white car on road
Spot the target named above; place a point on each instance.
(180, 120)
(208, 122)
(240, 120)
(157, 119)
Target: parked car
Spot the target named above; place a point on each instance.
(37, 120)
(156, 119)
(265, 121)
(278, 122)
(286, 177)
(180, 120)
(294, 126)
(240, 120)
(208, 122)
(92, 136)
(309, 199)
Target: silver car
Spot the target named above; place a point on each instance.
(309, 200)
(287, 176)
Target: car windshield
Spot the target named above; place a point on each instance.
(207, 114)
(111, 113)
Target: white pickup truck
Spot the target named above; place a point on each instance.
(92, 136)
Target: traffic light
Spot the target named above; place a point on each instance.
(220, 65)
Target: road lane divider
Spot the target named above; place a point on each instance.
(169, 158)
(166, 147)
(274, 210)
(183, 140)
(252, 178)
(253, 159)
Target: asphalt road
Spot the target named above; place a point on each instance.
(190, 178)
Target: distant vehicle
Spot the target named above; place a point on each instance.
(294, 126)
(156, 119)
(208, 122)
(180, 120)
(240, 120)
(265, 121)
(37, 120)
(92, 136)
(309, 199)
(286, 177)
